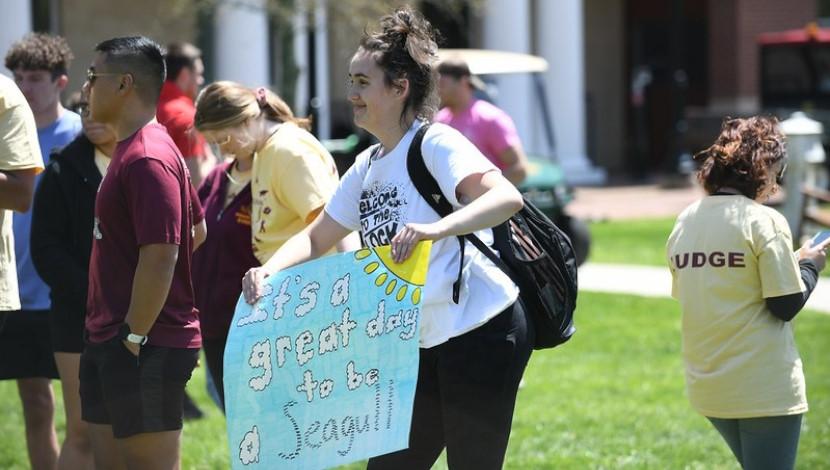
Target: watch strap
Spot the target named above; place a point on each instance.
(125, 334)
(137, 339)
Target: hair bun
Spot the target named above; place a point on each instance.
(405, 48)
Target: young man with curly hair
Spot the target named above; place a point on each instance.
(39, 65)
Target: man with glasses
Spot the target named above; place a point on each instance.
(39, 64)
(142, 327)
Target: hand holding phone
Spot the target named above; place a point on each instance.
(820, 237)
(815, 249)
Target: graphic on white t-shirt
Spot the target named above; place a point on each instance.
(377, 197)
(382, 206)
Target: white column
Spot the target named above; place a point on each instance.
(321, 70)
(241, 42)
(507, 28)
(301, 60)
(804, 147)
(15, 21)
(560, 37)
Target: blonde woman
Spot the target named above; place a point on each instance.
(278, 182)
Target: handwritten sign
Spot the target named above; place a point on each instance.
(321, 371)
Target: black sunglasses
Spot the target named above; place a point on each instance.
(91, 75)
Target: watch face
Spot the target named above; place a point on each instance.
(125, 334)
(137, 339)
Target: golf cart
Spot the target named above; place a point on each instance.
(545, 185)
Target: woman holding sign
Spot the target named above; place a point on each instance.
(739, 285)
(473, 350)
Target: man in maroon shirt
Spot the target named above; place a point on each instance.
(142, 327)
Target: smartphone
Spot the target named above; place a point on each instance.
(821, 236)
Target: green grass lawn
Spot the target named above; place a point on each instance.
(611, 398)
(634, 242)
(630, 241)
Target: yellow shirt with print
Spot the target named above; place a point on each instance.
(19, 150)
(293, 178)
(727, 254)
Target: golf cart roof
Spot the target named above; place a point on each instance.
(489, 62)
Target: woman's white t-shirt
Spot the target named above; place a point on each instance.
(378, 198)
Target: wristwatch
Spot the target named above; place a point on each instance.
(124, 333)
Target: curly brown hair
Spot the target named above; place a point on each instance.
(39, 51)
(748, 155)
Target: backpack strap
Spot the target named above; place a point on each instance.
(429, 190)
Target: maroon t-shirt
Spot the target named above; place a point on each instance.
(145, 198)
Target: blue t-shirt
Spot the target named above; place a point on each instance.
(34, 293)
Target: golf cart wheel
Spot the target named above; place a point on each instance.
(577, 231)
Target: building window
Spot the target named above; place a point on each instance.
(45, 16)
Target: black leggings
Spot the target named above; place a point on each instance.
(214, 355)
(465, 397)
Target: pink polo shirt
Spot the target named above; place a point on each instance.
(488, 128)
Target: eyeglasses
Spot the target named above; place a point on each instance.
(91, 76)
(779, 178)
(223, 142)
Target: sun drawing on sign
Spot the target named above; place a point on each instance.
(397, 279)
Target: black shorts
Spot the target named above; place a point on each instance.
(67, 330)
(134, 395)
(26, 346)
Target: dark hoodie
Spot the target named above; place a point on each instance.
(61, 238)
(220, 263)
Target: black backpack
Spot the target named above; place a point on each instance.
(535, 253)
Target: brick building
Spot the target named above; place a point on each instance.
(641, 44)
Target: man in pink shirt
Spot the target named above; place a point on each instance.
(488, 127)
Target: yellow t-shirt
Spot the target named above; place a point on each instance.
(726, 255)
(293, 177)
(19, 150)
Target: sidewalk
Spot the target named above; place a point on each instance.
(631, 202)
(650, 281)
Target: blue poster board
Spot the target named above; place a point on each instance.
(321, 371)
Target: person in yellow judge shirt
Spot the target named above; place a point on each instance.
(739, 284)
(292, 175)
